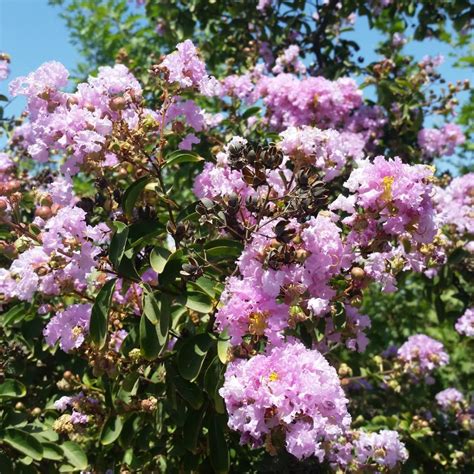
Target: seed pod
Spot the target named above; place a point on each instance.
(44, 212)
(117, 103)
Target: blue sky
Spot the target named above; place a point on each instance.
(32, 32)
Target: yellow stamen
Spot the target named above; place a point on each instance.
(257, 324)
(76, 332)
(273, 377)
(387, 183)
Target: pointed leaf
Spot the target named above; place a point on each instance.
(132, 194)
(118, 243)
(100, 313)
(158, 258)
(75, 455)
(179, 156)
(192, 354)
(12, 388)
(24, 442)
(111, 430)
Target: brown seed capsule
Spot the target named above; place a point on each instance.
(68, 375)
(36, 411)
(357, 273)
(3, 205)
(42, 271)
(12, 186)
(44, 212)
(89, 107)
(117, 103)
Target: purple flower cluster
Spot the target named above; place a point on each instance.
(465, 324)
(272, 295)
(80, 404)
(421, 354)
(63, 256)
(75, 124)
(383, 449)
(69, 327)
(290, 390)
(389, 198)
(289, 61)
(455, 204)
(327, 150)
(436, 142)
(449, 398)
(186, 68)
(313, 100)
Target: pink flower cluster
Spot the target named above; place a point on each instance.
(75, 125)
(327, 150)
(309, 101)
(289, 61)
(435, 142)
(281, 285)
(421, 354)
(384, 449)
(80, 404)
(465, 324)
(60, 259)
(389, 198)
(290, 390)
(186, 68)
(455, 204)
(69, 327)
(449, 398)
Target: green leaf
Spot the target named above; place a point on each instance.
(118, 243)
(172, 268)
(24, 442)
(199, 302)
(158, 258)
(111, 430)
(12, 388)
(15, 314)
(218, 450)
(179, 156)
(250, 112)
(223, 249)
(149, 339)
(52, 451)
(132, 194)
(154, 325)
(223, 345)
(75, 455)
(100, 313)
(213, 381)
(190, 392)
(192, 429)
(192, 354)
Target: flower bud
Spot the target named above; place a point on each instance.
(44, 212)
(118, 103)
(357, 273)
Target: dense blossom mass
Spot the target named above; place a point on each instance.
(274, 260)
(264, 395)
(421, 355)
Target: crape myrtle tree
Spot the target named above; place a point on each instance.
(226, 246)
